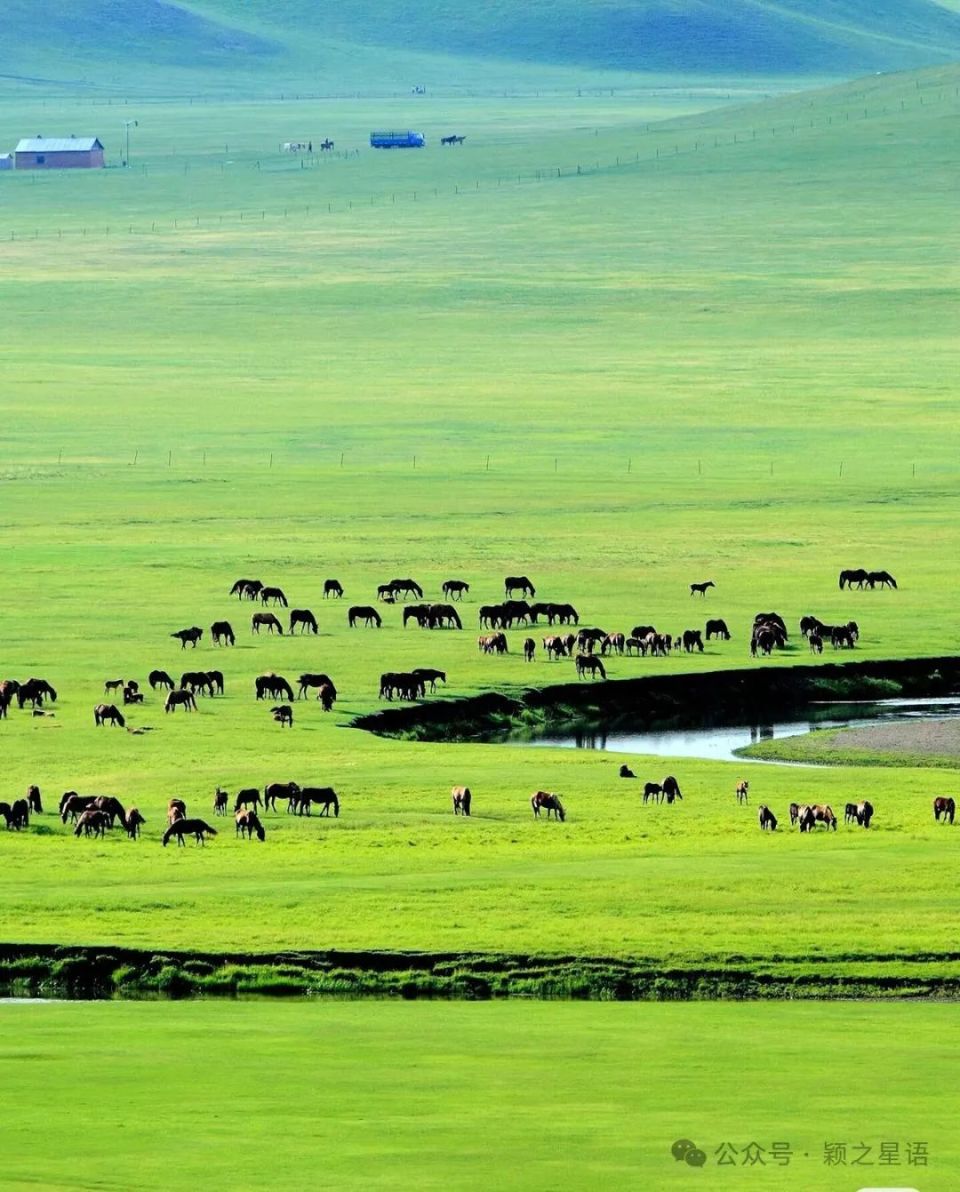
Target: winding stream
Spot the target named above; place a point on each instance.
(720, 742)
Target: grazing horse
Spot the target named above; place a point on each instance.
(305, 618)
(222, 633)
(864, 813)
(850, 813)
(307, 681)
(72, 804)
(133, 823)
(461, 800)
(180, 828)
(429, 675)
(192, 635)
(220, 798)
(250, 796)
(406, 587)
(132, 696)
(810, 625)
(692, 640)
(841, 636)
(332, 587)
(493, 643)
(815, 641)
(176, 809)
(159, 678)
(453, 589)
(279, 790)
(323, 796)
(671, 789)
(196, 681)
(108, 712)
(441, 616)
(768, 821)
(452, 140)
(363, 612)
(555, 647)
(34, 692)
(327, 696)
(283, 715)
(652, 790)
(743, 786)
(719, 629)
(92, 822)
(817, 813)
(944, 808)
(274, 594)
(274, 686)
(589, 664)
(883, 578)
(518, 583)
(701, 589)
(33, 799)
(177, 699)
(856, 577)
(248, 823)
(544, 801)
(529, 649)
(615, 643)
(258, 620)
(246, 589)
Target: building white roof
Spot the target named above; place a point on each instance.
(57, 144)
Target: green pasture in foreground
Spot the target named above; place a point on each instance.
(453, 1096)
(737, 363)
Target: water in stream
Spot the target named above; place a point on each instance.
(718, 743)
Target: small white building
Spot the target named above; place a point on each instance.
(6, 161)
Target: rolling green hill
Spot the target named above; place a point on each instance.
(201, 45)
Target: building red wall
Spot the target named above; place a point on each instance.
(73, 160)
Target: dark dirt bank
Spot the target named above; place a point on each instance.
(103, 972)
(665, 701)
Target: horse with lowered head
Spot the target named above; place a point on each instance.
(545, 801)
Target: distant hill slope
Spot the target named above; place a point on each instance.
(208, 43)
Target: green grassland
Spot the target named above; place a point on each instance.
(735, 361)
(252, 47)
(437, 1095)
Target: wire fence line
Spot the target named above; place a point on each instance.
(680, 147)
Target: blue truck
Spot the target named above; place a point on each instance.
(397, 140)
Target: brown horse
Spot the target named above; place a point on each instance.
(132, 823)
(461, 800)
(220, 798)
(248, 823)
(92, 822)
(544, 801)
(176, 809)
(743, 786)
(258, 620)
(274, 594)
(278, 790)
(944, 808)
(180, 699)
(104, 713)
(590, 664)
(180, 828)
(72, 805)
(817, 813)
